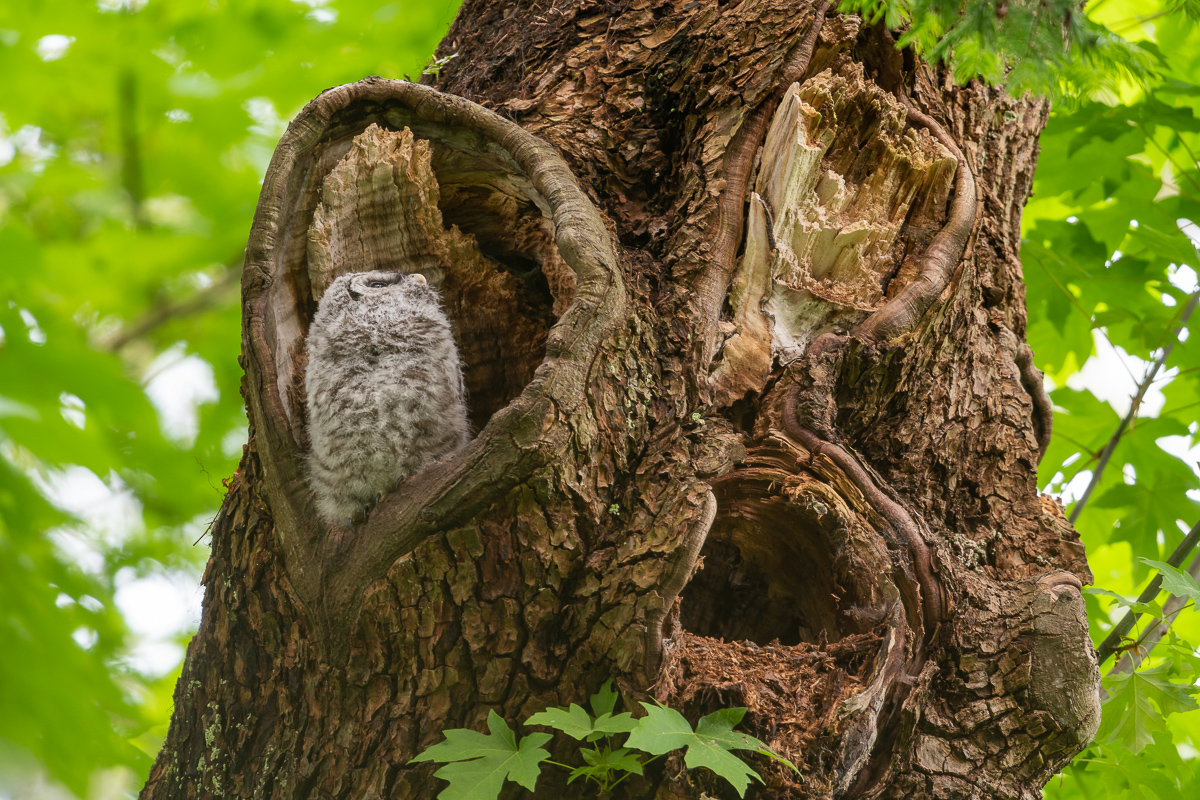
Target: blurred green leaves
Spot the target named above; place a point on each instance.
(1048, 47)
(133, 139)
(1110, 259)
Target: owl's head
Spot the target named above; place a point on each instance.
(380, 283)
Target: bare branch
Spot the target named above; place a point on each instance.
(200, 301)
(1107, 452)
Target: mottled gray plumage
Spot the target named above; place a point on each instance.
(385, 388)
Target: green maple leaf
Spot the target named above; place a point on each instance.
(579, 724)
(1151, 607)
(478, 764)
(1176, 581)
(604, 701)
(665, 729)
(574, 722)
(603, 762)
(1138, 703)
(660, 731)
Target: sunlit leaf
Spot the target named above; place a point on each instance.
(480, 763)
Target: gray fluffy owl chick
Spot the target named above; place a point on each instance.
(385, 389)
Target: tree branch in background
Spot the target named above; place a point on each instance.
(165, 312)
(131, 149)
(1143, 387)
(1113, 640)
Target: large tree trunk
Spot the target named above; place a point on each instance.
(743, 331)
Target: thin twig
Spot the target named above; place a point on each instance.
(1191, 155)
(1107, 452)
(1066, 292)
(1113, 640)
(1073, 301)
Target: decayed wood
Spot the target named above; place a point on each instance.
(799, 477)
(904, 310)
(824, 259)
(710, 287)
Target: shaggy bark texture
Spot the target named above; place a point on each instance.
(738, 293)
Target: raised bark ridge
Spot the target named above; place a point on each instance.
(714, 485)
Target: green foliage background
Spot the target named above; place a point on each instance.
(131, 156)
(133, 137)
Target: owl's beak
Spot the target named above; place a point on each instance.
(419, 278)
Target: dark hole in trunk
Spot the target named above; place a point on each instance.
(501, 326)
(776, 567)
(731, 599)
(766, 577)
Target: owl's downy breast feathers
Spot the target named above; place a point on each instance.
(384, 389)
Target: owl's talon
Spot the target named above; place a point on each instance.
(350, 522)
(378, 497)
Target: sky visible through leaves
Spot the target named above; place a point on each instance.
(133, 138)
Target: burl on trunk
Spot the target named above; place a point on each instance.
(737, 294)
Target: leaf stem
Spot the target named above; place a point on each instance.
(645, 763)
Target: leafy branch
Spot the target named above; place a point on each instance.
(1049, 47)
(1122, 628)
(1183, 591)
(477, 765)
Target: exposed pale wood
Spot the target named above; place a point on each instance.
(841, 176)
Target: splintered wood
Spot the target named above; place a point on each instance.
(839, 177)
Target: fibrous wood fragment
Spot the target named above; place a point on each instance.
(842, 179)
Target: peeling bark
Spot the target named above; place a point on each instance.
(755, 425)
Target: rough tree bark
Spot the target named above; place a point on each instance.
(737, 290)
